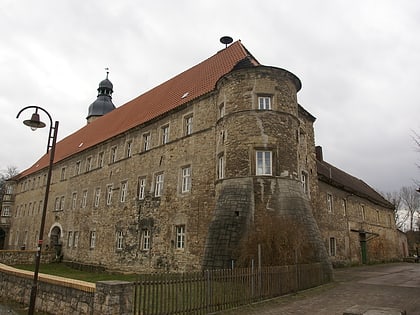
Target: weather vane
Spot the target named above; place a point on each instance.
(107, 72)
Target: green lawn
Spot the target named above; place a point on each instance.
(67, 272)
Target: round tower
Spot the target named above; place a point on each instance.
(103, 103)
(259, 194)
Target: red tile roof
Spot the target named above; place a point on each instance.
(196, 81)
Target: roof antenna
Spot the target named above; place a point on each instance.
(107, 72)
(226, 40)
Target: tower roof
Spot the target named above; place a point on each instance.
(196, 81)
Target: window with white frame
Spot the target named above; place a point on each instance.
(63, 173)
(6, 211)
(146, 141)
(88, 164)
(188, 125)
(120, 239)
(362, 212)
(186, 179)
(180, 237)
(109, 195)
(221, 167)
(332, 246)
(221, 110)
(75, 238)
(165, 134)
(142, 188)
(97, 197)
(9, 188)
(263, 163)
(57, 204)
(70, 239)
(304, 179)
(62, 203)
(146, 236)
(159, 185)
(100, 159)
(123, 191)
(329, 202)
(264, 102)
(113, 156)
(92, 239)
(128, 149)
(84, 198)
(344, 207)
(74, 200)
(77, 168)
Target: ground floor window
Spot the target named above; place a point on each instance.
(180, 236)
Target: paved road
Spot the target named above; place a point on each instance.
(389, 285)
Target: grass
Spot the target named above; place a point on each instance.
(65, 271)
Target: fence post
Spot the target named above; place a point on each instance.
(113, 297)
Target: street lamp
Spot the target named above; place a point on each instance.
(35, 123)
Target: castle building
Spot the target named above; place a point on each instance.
(197, 173)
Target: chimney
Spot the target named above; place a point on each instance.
(318, 153)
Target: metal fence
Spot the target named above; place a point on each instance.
(210, 291)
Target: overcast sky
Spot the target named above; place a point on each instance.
(359, 63)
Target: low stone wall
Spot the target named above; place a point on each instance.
(22, 257)
(58, 295)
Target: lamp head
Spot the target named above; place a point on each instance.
(34, 122)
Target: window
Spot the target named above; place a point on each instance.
(6, 211)
(70, 239)
(120, 238)
(77, 168)
(186, 179)
(63, 173)
(142, 187)
(100, 159)
(221, 110)
(332, 246)
(304, 178)
(180, 236)
(159, 185)
(362, 212)
(92, 239)
(88, 164)
(84, 198)
(188, 125)
(57, 204)
(146, 142)
(9, 189)
(74, 200)
(344, 207)
(113, 156)
(221, 167)
(62, 203)
(145, 244)
(165, 134)
(264, 102)
(329, 203)
(263, 161)
(97, 197)
(128, 149)
(108, 194)
(75, 238)
(123, 191)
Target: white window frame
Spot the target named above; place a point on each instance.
(146, 141)
(62, 203)
(120, 240)
(88, 164)
(97, 197)
(84, 198)
(186, 179)
(123, 191)
(128, 149)
(221, 166)
(146, 238)
(159, 179)
(180, 236)
(92, 239)
(222, 110)
(6, 211)
(109, 189)
(165, 134)
(142, 188)
(101, 159)
(62, 175)
(74, 200)
(75, 238)
(264, 163)
(329, 201)
(77, 168)
(188, 125)
(70, 239)
(113, 156)
(264, 102)
(305, 182)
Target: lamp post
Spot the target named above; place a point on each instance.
(35, 123)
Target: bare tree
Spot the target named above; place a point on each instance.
(411, 201)
(400, 216)
(6, 174)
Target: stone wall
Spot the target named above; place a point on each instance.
(57, 295)
(22, 257)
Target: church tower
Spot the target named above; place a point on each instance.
(103, 103)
